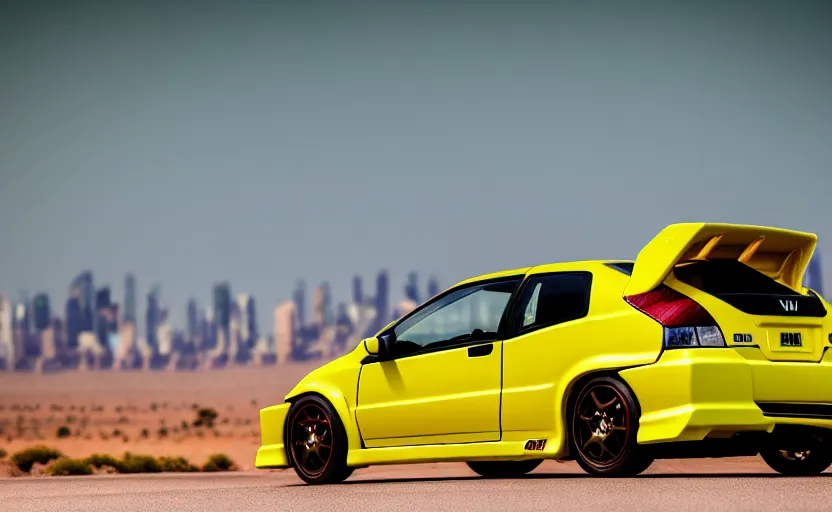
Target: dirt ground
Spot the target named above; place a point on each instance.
(143, 412)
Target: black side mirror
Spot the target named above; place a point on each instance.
(385, 346)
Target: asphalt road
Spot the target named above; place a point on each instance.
(670, 485)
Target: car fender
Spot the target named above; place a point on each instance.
(599, 364)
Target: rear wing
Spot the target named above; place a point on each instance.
(781, 254)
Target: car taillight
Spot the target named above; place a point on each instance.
(686, 323)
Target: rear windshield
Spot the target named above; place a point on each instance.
(723, 277)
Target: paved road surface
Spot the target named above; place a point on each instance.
(724, 485)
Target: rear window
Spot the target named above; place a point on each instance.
(747, 289)
(718, 277)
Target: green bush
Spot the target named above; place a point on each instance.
(3, 453)
(132, 463)
(219, 462)
(176, 465)
(63, 431)
(40, 454)
(99, 460)
(67, 467)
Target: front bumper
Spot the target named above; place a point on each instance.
(272, 452)
(691, 394)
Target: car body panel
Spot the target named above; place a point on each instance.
(445, 406)
(395, 398)
(691, 393)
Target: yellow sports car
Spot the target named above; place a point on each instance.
(708, 345)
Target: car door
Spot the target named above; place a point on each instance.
(547, 337)
(442, 382)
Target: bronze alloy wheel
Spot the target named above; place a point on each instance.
(601, 426)
(604, 425)
(311, 440)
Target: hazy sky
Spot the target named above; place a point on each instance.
(262, 142)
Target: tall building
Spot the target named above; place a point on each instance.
(7, 352)
(248, 320)
(382, 300)
(433, 287)
(42, 312)
(193, 320)
(411, 288)
(285, 328)
(74, 322)
(814, 277)
(82, 288)
(299, 296)
(22, 333)
(104, 323)
(322, 306)
(130, 299)
(222, 304)
(222, 317)
(152, 316)
(357, 290)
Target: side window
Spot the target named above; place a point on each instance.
(468, 314)
(552, 299)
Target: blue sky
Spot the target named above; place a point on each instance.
(263, 142)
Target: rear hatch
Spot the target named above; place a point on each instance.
(733, 269)
(785, 324)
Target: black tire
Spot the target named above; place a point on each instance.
(504, 469)
(316, 442)
(604, 411)
(807, 455)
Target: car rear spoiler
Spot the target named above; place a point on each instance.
(781, 254)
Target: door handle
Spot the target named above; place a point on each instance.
(480, 350)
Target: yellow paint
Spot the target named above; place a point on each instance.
(404, 397)
(445, 406)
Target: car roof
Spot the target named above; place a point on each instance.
(542, 269)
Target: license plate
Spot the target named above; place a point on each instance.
(790, 339)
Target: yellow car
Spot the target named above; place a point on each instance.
(708, 345)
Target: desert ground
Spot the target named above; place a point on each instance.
(149, 413)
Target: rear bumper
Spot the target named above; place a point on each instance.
(272, 452)
(695, 393)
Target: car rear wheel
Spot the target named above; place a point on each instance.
(806, 455)
(603, 426)
(317, 442)
(504, 469)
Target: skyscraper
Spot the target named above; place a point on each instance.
(222, 304)
(153, 317)
(433, 287)
(382, 300)
(42, 313)
(299, 296)
(411, 288)
(74, 322)
(82, 288)
(130, 299)
(357, 290)
(248, 320)
(7, 352)
(193, 320)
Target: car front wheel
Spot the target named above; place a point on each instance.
(317, 442)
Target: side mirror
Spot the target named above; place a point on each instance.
(371, 346)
